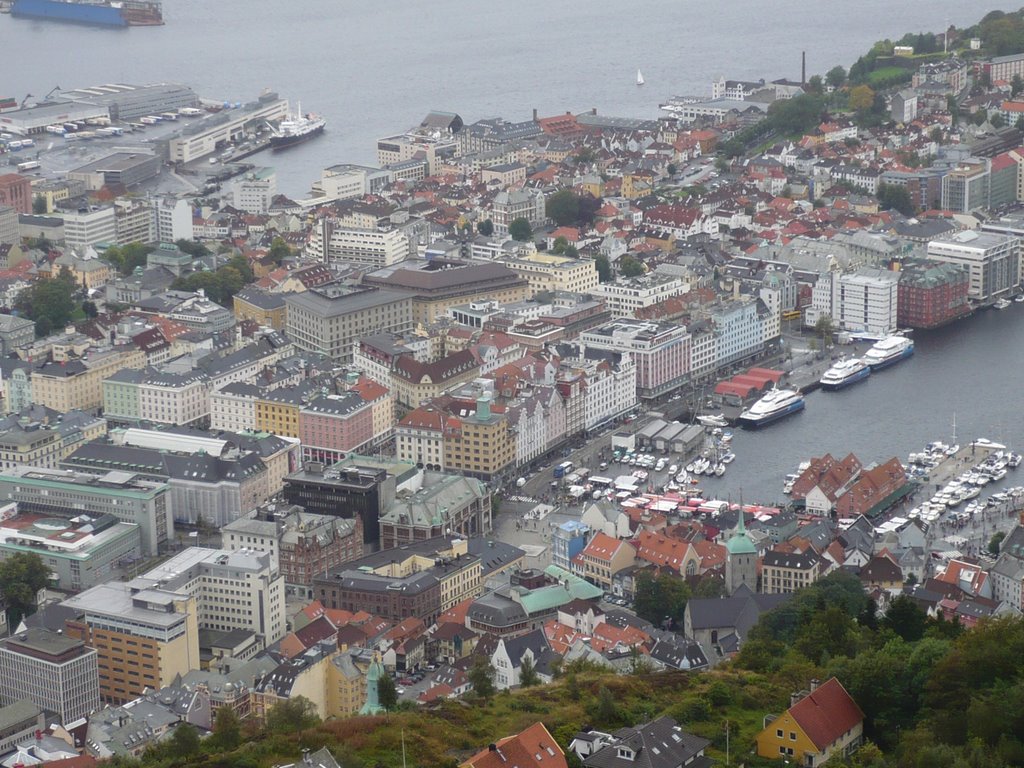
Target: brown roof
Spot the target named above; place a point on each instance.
(532, 748)
(826, 713)
(828, 474)
(446, 368)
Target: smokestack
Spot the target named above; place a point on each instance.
(803, 68)
(535, 115)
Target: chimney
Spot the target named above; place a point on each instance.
(815, 682)
(803, 68)
(494, 747)
(534, 120)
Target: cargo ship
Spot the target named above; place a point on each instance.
(102, 13)
(296, 129)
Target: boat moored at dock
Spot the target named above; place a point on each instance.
(775, 405)
(845, 373)
(889, 351)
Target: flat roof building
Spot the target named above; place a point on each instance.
(54, 671)
(120, 169)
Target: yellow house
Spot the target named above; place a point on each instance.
(636, 185)
(820, 723)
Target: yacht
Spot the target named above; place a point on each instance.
(844, 373)
(889, 351)
(775, 405)
(1002, 304)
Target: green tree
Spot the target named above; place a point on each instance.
(485, 227)
(1016, 84)
(227, 730)
(279, 250)
(953, 107)
(905, 619)
(291, 715)
(604, 268)
(836, 76)
(559, 245)
(194, 249)
(50, 302)
(520, 229)
(996, 542)
(997, 120)
(528, 673)
(481, 677)
(90, 309)
(825, 329)
(38, 205)
(563, 207)
(979, 117)
(630, 266)
(387, 694)
(184, 741)
(862, 98)
(660, 598)
(815, 84)
(895, 197)
(672, 169)
(22, 576)
(606, 710)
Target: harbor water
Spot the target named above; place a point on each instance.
(374, 68)
(971, 372)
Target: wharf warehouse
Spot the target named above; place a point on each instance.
(118, 102)
(209, 134)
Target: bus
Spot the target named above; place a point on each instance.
(792, 314)
(601, 482)
(563, 469)
(31, 165)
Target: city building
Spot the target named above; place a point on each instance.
(332, 426)
(301, 544)
(567, 540)
(533, 747)
(416, 580)
(218, 130)
(479, 444)
(993, 262)
(931, 294)
(19, 723)
(437, 285)
(602, 558)
(143, 638)
(234, 590)
(80, 551)
(86, 227)
(173, 219)
(254, 192)
(967, 187)
(331, 319)
(444, 505)
(660, 352)
(509, 205)
(784, 572)
(627, 296)
(55, 671)
(549, 272)
(77, 383)
(372, 247)
(866, 301)
(268, 309)
(16, 191)
(120, 170)
(121, 495)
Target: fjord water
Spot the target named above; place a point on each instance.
(377, 66)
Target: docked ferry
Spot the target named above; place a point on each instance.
(844, 373)
(775, 405)
(889, 351)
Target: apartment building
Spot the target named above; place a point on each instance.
(332, 426)
(77, 384)
(233, 407)
(54, 671)
(26, 441)
(87, 227)
(419, 437)
(122, 495)
(786, 572)
(602, 558)
(627, 296)
(509, 205)
(143, 638)
(372, 247)
(159, 395)
(267, 309)
(16, 192)
(331, 319)
(866, 301)
(254, 192)
(551, 272)
(660, 351)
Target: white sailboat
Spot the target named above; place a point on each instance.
(639, 77)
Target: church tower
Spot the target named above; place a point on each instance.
(740, 560)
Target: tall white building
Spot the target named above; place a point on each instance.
(378, 248)
(89, 226)
(865, 301)
(627, 295)
(241, 590)
(173, 219)
(254, 192)
(993, 261)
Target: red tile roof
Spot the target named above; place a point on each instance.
(531, 748)
(826, 713)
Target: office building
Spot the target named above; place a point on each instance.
(372, 247)
(549, 272)
(660, 351)
(992, 260)
(932, 294)
(627, 296)
(240, 590)
(143, 638)
(866, 301)
(967, 187)
(55, 671)
(118, 170)
(9, 231)
(16, 192)
(444, 505)
(122, 495)
(203, 137)
(86, 227)
(331, 319)
(254, 191)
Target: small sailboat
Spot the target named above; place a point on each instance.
(639, 77)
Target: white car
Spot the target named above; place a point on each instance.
(673, 470)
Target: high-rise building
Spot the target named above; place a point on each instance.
(55, 671)
(993, 260)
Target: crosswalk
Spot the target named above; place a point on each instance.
(521, 499)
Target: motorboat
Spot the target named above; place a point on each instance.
(844, 373)
(889, 351)
(775, 405)
(1001, 304)
(712, 420)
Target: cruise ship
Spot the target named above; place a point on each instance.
(296, 129)
(844, 373)
(889, 351)
(775, 405)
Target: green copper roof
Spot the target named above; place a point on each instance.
(739, 543)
